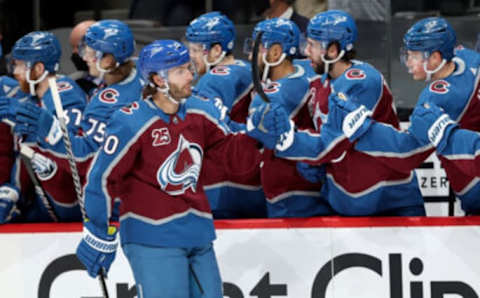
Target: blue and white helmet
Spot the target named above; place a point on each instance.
(38, 46)
(212, 28)
(160, 56)
(430, 35)
(279, 31)
(333, 26)
(111, 37)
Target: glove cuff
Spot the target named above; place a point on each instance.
(54, 133)
(286, 139)
(105, 246)
(354, 120)
(437, 130)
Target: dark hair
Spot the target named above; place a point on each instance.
(149, 90)
(227, 51)
(348, 56)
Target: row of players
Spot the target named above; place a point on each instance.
(229, 86)
(330, 137)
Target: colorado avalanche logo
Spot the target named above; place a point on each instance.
(109, 96)
(440, 87)
(180, 171)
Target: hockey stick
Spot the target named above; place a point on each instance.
(26, 154)
(71, 161)
(257, 84)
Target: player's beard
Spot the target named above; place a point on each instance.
(319, 68)
(179, 92)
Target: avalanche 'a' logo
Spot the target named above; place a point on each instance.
(180, 171)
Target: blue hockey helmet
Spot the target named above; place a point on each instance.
(431, 34)
(111, 37)
(331, 26)
(211, 28)
(279, 31)
(161, 55)
(38, 46)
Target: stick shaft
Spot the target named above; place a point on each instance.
(71, 161)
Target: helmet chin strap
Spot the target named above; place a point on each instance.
(209, 65)
(101, 70)
(328, 62)
(431, 72)
(32, 83)
(267, 66)
(166, 91)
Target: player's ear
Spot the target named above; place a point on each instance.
(108, 61)
(332, 51)
(436, 58)
(275, 52)
(216, 50)
(38, 68)
(158, 80)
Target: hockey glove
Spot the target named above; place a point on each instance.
(267, 123)
(44, 167)
(98, 248)
(353, 119)
(311, 173)
(430, 124)
(7, 108)
(9, 195)
(38, 122)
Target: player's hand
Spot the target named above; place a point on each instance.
(345, 115)
(311, 173)
(98, 248)
(7, 108)
(267, 123)
(38, 122)
(430, 124)
(9, 195)
(43, 166)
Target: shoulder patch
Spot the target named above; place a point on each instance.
(439, 87)
(220, 70)
(64, 86)
(109, 96)
(355, 74)
(273, 87)
(130, 108)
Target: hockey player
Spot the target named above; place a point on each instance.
(108, 47)
(211, 39)
(461, 147)
(453, 85)
(155, 148)
(350, 190)
(36, 57)
(8, 192)
(109, 44)
(287, 84)
(228, 81)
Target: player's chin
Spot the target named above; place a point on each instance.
(187, 91)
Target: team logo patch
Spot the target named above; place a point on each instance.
(64, 86)
(109, 96)
(273, 87)
(161, 136)
(129, 109)
(180, 171)
(221, 70)
(440, 87)
(355, 74)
